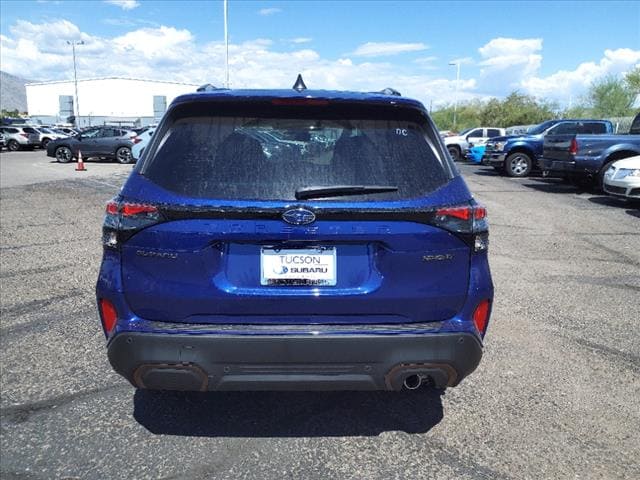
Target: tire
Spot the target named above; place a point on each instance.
(13, 146)
(518, 165)
(64, 154)
(44, 143)
(599, 183)
(455, 152)
(123, 155)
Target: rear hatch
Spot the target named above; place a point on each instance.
(295, 214)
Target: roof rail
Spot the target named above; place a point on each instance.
(389, 91)
(207, 87)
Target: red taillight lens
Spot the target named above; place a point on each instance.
(109, 315)
(481, 316)
(461, 213)
(573, 148)
(132, 209)
(112, 208)
(25, 135)
(136, 140)
(479, 213)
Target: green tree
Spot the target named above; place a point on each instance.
(632, 79)
(611, 97)
(517, 109)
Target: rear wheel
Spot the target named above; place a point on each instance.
(63, 154)
(123, 155)
(455, 153)
(45, 142)
(13, 146)
(518, 164)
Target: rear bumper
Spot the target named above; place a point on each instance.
(560, 166)
(170, 361)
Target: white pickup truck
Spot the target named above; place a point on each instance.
(459, 144)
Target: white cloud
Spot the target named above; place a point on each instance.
(379, 49)
(265, 12)
(506, 62)
(299, 40)
(570, 83)
(124, 4)
(39, 51)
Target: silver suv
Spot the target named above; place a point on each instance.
(18, 138)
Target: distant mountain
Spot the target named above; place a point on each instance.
(13, 95)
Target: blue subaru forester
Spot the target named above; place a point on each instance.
(294, 240)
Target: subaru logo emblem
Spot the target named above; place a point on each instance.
(299, 216)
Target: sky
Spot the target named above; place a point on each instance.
(551, 50)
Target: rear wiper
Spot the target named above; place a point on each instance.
(341, 191)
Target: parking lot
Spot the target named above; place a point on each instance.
(557, 394)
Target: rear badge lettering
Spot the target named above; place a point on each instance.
(144, 253)
(437, 258)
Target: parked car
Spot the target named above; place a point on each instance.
(584, 157)
(45, 135)
(103, 142)
(518, 130)
(140, 142)
(517, 156)
(225, 269)
(622, 179)
(68, 131)
(3, 143)
(475, 153)
(459, 144)
(17, 138)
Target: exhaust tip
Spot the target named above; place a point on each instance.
(412, 382)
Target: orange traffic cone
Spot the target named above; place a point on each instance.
(80, 166)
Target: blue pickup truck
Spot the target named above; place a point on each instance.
(583, 158)
(518, 155)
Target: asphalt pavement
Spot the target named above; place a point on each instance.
(557, 394)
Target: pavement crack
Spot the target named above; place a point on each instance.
(22, 412)
(26, 307)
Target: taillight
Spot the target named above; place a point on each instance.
(25, 135)
(108, 314)
(573, 148)
(124, 219)
(136, 139)
(469, 222)
(481, 316)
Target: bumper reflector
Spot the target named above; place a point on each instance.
(108, 314)
(481, 316)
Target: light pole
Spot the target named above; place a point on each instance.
(226, 42)
(455, 104)
(75, 78)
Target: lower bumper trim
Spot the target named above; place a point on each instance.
(333, 362)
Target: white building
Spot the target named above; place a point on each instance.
(113, 100)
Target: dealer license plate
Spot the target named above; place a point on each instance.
(309, 266)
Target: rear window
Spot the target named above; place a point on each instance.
(592, 128)
(270, 158)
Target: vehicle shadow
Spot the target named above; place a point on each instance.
(554, 185)
(631, 208)
(287, 414)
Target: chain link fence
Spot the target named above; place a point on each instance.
(621, 124)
